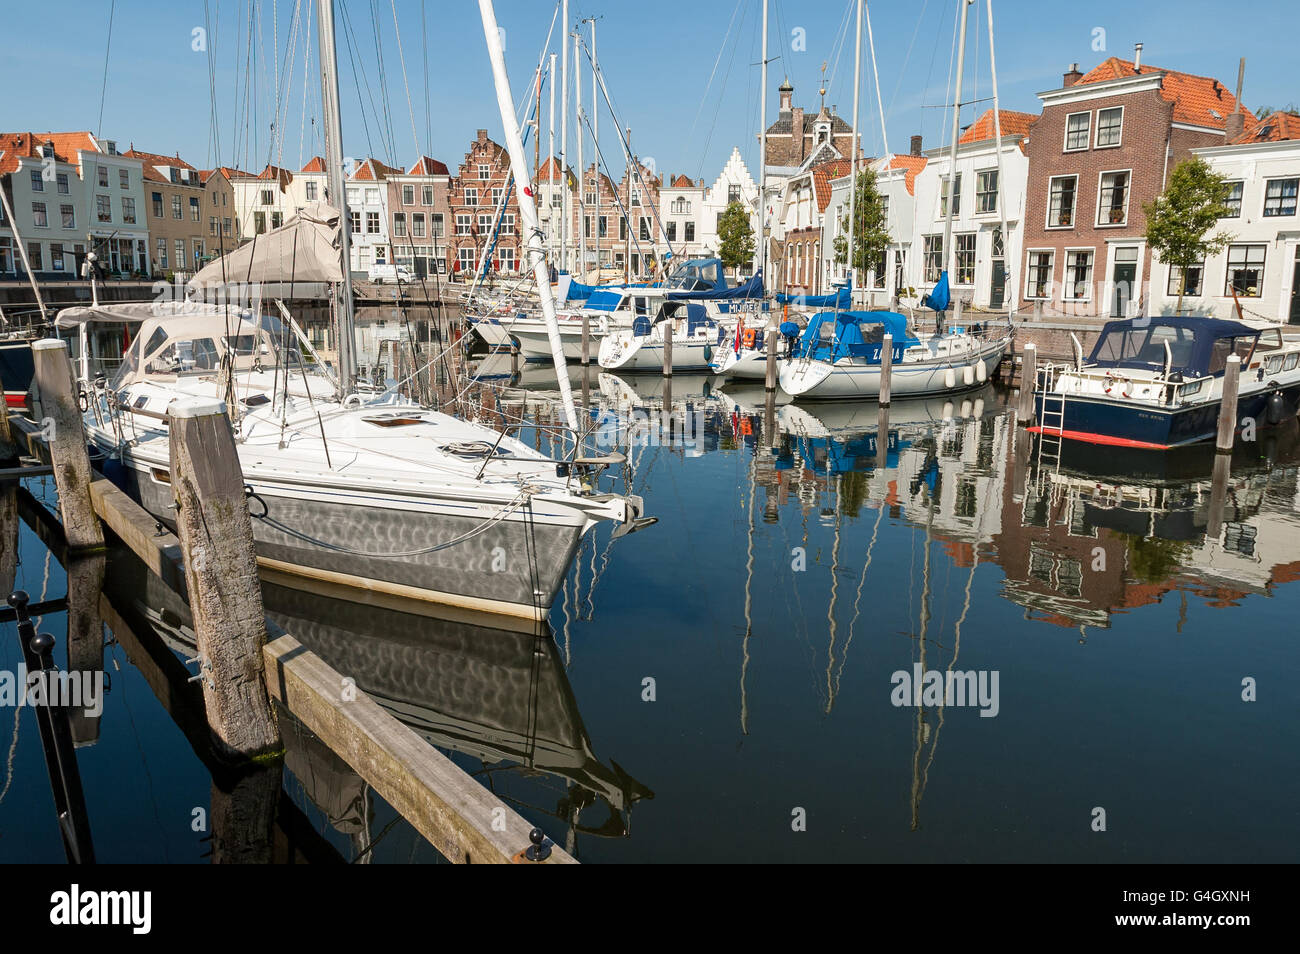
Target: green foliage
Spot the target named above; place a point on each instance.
(735, 237)
(1152, 560)
(870, 232)
(1180, 220)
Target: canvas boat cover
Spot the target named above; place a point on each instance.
(831, 335)
(307, 248)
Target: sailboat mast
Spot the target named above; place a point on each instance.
(564, 137)
(948, 256)
(1002, 208)
(550, 157)
(527, 207)
(595, 142)
(762, 152)
(582, 204)
(853, 154)
(329, 78)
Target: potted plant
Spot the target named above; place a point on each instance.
(1065, 219)
(1116, 216)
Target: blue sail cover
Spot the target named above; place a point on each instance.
(939, 296)
(841, 299)
(831, 335)
(750, 289)
(601, 300)
(699, 274)
(1197, 346)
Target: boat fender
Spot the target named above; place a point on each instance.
(968, 375)
(965, 408)
(949, 378)
(352, 400)
(981, 372)
(604, 325)
(979, 407)
(1276, 409)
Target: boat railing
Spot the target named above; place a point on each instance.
(569, 436)
(1048, 376)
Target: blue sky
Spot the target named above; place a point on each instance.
(682, 73)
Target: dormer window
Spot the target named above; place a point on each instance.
(823, 132)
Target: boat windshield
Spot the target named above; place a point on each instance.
(171, 347)
(1191, 346)
(698, 275)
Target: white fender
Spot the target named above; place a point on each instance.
(968, 375)
(965, 408)
(981, 372)
(949, 378)
(947, 409)
(979, 407)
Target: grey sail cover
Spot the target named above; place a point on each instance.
(304, 249)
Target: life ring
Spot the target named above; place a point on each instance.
(748, 338)
(1112, 380)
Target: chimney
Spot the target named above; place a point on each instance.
(1072, 75)
(1137, 57)
(796, 130)
(916, 145)
(481, 135)
(787, 94)
(1236, 122)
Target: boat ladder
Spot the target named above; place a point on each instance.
(1051, 423)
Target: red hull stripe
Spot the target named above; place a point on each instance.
(1099, 438)
(16, 400)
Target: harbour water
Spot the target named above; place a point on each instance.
(736, 682)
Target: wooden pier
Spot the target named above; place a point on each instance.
(246, 664)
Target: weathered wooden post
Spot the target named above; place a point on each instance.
(1218, 495)
(85, 641)
(8, 538)
(62, 427)
(1228, 406)
(1028, 379)
(882, 439)
(216, 536)
(243, 810)
(668, 347)
(769, 378)
(586, 338)
(886, 368)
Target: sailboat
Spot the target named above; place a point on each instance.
(382, 496)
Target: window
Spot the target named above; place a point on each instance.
(1112, 202)
(589, 198)
(466, 257)
(471, 196)
(176, 207)
(225, 226)
(38, 184)
(212, 225)
(39, 218)
(964, 245)
(156, 198)
(198, 252)
(259, 222)
(1280, 197)
(277, 219)
(1077, 128)
(399, 224)
(1110, 124)
(879, 267)
(312, 191)
(484, 171)
(733, 194)
(437, 225)
(933, 261)
(943, 196)
(356, 222)
(128, 210)
(507, 223)
(417, 225)
(999, 247)
(496, 196)
(1233, 201)
(986, 191)
(506, 258)
(162, 253)
(69, 216)
(670, 230)
(180, 254)
(194, 209)
(484, 223)
(1038, 277)
(408, 195)
(103, 177)
(622, 229)
(372, 223)
(688, 234)
(1245, 273)
(426, 195)
(34, 255)
(636, 197)
(56, 257)
(462, 224)
(604, 228)
(1060, 202)
(62, 179)
(103, 209)
(1078, 276)
(372, 197)
(900, 269)
(268, 197)
(124, 178)
(644, 230)
(1194, 275)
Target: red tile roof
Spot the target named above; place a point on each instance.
(1275, 127)
(1199, 100)
(552, 164)
(317, 164)
(26, 145)
(429, 167)
(913, 165)
(230, 172)
(1012, 122)
(372, 170)
(683, 182)
(822, 174)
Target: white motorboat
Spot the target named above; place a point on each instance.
(695, 337)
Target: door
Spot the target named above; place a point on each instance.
(998, 293)
(1294, 316)
(1124, 276)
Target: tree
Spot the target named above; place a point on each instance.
(870, 233)
(1180, 219)
(735, 237)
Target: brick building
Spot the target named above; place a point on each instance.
(797, 139)
(1103, 146)
(418, 214)
(178, 216)
(473, 195)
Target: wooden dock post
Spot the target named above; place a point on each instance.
(1228, 405)
(216, 537)
(586, 338)
(1218, 495)
(61, 422)
(85, 637)
(886, 368)
(8, 538)
(668, 348)
(1028, 378)
(769, 377)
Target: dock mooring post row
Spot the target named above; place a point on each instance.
(886, 368)
(63, 428)
(668, 347)
(1228, 405)
(216, 537)
(1028, 378)
(769, 378)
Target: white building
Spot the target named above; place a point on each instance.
(1262, 262)
(681, 205)
(733, 184)
(367, 192)
(978, 271)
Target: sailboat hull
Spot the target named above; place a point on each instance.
(850, 379)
